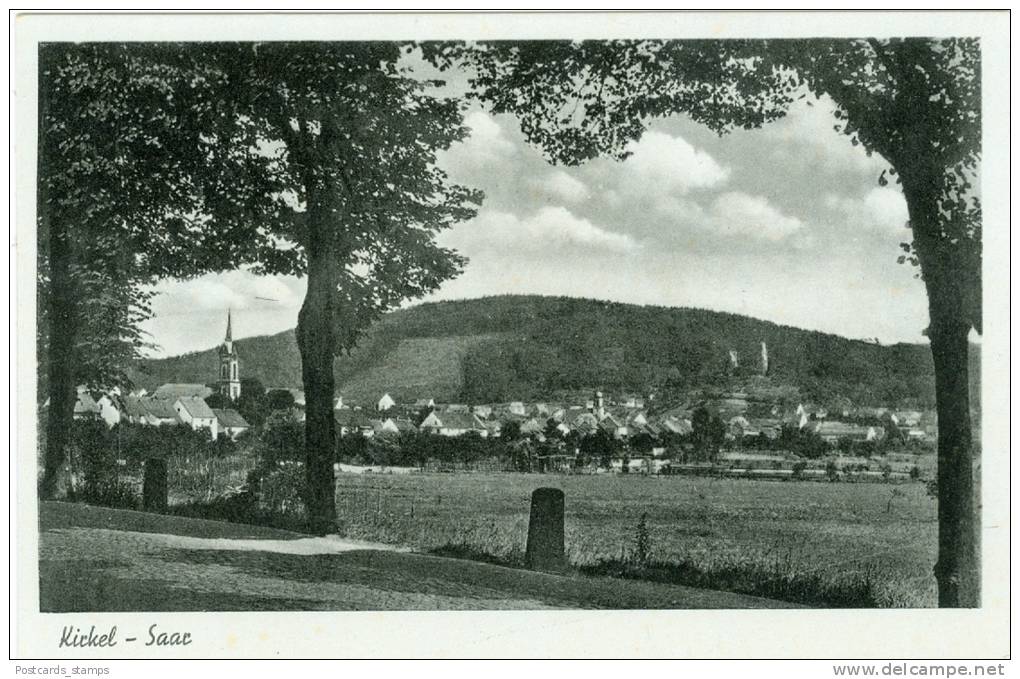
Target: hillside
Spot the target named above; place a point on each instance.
(528, 347)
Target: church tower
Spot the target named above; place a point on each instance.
(230, 381)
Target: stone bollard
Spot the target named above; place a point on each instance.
(154, 489)
(545, 531)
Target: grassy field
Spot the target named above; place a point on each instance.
(839, 532)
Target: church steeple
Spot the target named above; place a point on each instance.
(229, 381)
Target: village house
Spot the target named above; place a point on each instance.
(230, 422)
(453, 424)
(674, 425)
(392, 426)
(637, 418)
(159, 411)
(582, 422)
(134, 410)
(349, 422)
(194, 412)
(516, 408)
(907, 418)
(614, 427)
(110, 407)
(832, 431)
(385, 403)
(482, 411)
(532, 426)
(424, 403)
(632, 402)
(85, 407)
(386, 427)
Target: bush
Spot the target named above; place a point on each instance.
(109, 493)
(831, 470)
(798, 469)
(280, 491)
(95, 473)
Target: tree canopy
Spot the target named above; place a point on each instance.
(915, 101)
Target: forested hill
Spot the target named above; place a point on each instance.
(528, 347)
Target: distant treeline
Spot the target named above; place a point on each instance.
(533, 348)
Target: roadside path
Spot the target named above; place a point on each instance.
(100, 559)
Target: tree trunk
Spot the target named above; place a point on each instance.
(956, 569)
(62, 334)
(943, 270)
(316, 342)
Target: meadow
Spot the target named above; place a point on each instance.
(838, 534)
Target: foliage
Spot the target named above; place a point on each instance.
(802, 442)
(642, 443)
(130, 188)
(281, 440)
(798, 469)
(355, 140)
(137, 146)
(280, 491)
(708, 433)
(511, 430)
(279, 399)
(95, 471)
(600, 446)
(416, 449)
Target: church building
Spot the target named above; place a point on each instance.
(229, 380)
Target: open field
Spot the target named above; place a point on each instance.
(837, 530)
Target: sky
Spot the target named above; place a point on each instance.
(787, 223)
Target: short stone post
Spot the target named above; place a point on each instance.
(545, 550)
(154, 487)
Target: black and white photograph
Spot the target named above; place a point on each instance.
(449, 321)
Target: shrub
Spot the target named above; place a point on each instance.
(95, 475)
(280, 490)
(915, 472)
(798, 469)
(831, 470)
(108, 493)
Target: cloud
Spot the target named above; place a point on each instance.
(548, 230)
(739, 214)
(882, 209)
(486, 144)
(560, 185)
(664, 163)
(733, 214)
(232, 290)
(807, 134)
